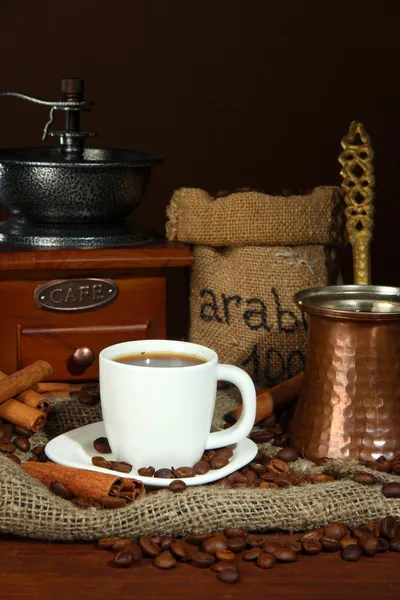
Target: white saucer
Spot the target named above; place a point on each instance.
(75, 449)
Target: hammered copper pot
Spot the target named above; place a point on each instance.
(349, 406)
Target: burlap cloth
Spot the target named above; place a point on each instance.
(252, 253)
(28, 508)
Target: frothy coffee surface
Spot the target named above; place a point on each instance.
(160, 359)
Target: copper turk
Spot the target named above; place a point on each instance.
(349, 404)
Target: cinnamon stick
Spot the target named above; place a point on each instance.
(21, 414)
(31, 398)
(35, 400)
(44, 387)
(272, 399)
(54, 394)
(79, 481)
(22, 380)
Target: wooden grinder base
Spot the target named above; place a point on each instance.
(71, 340)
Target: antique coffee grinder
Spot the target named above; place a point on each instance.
(75, 274)
(349, 406)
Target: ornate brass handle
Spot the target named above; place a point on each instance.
(83, 357)
(358, 183)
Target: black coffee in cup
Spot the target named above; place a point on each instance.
(160, 359)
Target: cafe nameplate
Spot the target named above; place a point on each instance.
(71, 295)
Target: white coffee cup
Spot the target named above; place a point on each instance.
(162, 416)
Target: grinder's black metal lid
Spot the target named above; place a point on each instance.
(89, 157)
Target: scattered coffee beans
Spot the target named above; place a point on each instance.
(22, 444)
(265, 560)
(351, 553)
(177, 486)
(60, 490)
(365, 478)
(165, 560)
(391, 490)
(101, 445)
(146, 471)
(287, 454)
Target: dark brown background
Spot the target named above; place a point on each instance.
(231, 92)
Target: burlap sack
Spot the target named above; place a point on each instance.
(28, 508)
(252, 253)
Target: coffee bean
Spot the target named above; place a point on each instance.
(287, 455)
(311, 547)
(202, 559)
(236, 545)
(250, 476)
(369, 545)
(313, 535)
(223, 565)
(395, 544)
(107, 543)
(7, 447)
(388, 527)
(225, 555)
(262, 436)
(99, 461)
(166, 542)
(112, 502)
(265, 560)
(365, 479)
(82, 501)
(277, 466)
(121, 467)
(293, 545)
(348, 541)
(148, 548)
(235, 532)
(391, 490)
(165, 560)
(121, 544)
(270, 546)
(360, 532)
(225, 452)
(396, 466)
(252, 554)
(268, 485)
(123, 559)
(218, 462)
(257, 468)
(180, 550)
(351, 553)
(101, 445)
(60, 490)
(335, 531)
(228, 576)
(6, 433)
(197, 538)
(164, 474)
(22, 431)
(37, 450)
(221, 194)
(22, 444)
(208, 455)
(177, 486)
(285, 555)
(383, 544)
(213, 544)
(201, 468)
(146, 471)
(329, 544)
(156, 539)
(385, 467)
(255, 539)
(183, 472)
(237, 478)
(14, 458)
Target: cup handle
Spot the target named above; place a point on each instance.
(243, 426)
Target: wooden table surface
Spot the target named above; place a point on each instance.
(31, 569)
